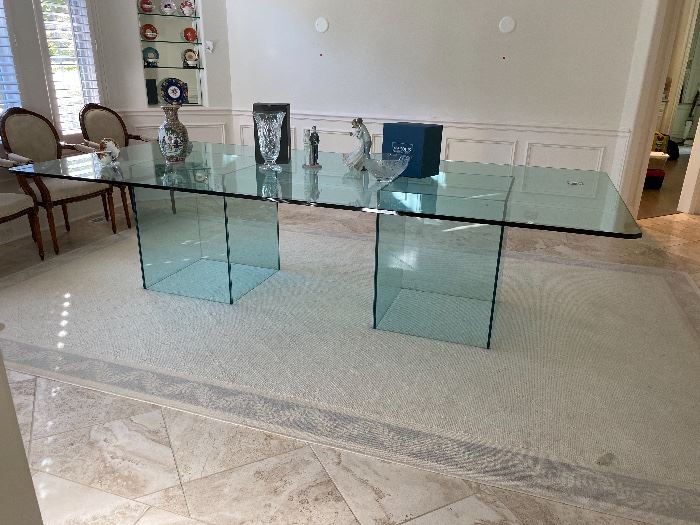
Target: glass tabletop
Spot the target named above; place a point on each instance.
(521, 196)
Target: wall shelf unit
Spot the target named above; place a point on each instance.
(164, 56)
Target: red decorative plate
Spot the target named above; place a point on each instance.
(190, 34)
(149, 32)
(147, 6)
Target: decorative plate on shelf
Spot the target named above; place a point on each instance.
(191, 58)
(167, 7)
(150, 53)
(174, 91)
(150, 56)
(190, 34)
(147, 6)
(187, 8)
(149, 32)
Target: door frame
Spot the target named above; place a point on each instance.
(679, 60)
(650, 65)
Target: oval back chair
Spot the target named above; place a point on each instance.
(98, 122)
(29, 138)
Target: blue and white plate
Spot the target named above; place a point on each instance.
(168, 7)
(174, 91)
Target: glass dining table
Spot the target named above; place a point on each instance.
(208, 227)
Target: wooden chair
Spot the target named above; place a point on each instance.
(16, 205)
(28, 138)
(98, 122)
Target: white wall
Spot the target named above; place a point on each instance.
(564, 95)
(556, 99)
(566, 64)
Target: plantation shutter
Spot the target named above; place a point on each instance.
(71, 57)
(9, 87)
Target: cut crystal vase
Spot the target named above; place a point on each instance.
(269, 137)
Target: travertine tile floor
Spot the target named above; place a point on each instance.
(103, 459)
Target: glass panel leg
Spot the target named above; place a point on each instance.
(253, 241)
(182, 242)
(437, 279)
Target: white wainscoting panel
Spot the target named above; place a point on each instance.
(336, 141)
(246, 135)
(570, 156)
(480, 150)
(555, 146)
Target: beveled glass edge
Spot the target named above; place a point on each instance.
(474, 220)
(25, 169)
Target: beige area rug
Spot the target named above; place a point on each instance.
(589, 394)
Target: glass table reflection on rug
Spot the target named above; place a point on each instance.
(208, 227)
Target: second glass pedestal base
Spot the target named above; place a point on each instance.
(437, 279)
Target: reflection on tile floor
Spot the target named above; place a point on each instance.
(103, 459)
(109, 460)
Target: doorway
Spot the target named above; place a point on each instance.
(677, 121)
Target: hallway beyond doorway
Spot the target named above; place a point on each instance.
(664, 201)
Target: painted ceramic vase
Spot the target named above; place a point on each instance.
(172, 136)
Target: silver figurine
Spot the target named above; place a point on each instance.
(311, 142)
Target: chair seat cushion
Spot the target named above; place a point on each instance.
(11, 203)
(62, 189)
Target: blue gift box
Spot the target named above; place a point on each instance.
(424, 142)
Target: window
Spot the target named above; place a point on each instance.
(71, 59)
(9, 87)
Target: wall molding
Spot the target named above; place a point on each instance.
(491, 142)
(213, 125)
(462, 124)
(513, 144)
(379, 119)
(293, 134)
(375, 141)
(189, 111)
(599, 149)
(563, 128)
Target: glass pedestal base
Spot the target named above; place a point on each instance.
(433, 278)
(204, 246)
(437, 279)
